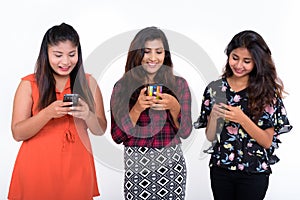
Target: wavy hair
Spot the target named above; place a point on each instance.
(263, 83)
(44, 72)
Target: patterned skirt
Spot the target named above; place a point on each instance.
(152, 173)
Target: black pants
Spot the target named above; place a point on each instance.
(237, 185)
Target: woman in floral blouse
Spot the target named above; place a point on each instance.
(243, 114)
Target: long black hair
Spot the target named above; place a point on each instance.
(44, 72)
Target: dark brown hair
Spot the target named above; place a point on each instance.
(135, 77)
(136, 54)
(263, 83)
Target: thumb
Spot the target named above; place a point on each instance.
(143, 91)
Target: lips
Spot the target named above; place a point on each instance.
(238, 71)
(64, 68)
(153, 65)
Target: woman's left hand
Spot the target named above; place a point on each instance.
(81, 111)
(166, 102)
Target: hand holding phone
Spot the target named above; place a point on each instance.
(154, 89)
(71, 98)
(224, 108)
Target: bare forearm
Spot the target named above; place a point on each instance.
(262, 137)
(97, 125)
(174, 113)
(211, 129)
(134, 116)
(28, 128)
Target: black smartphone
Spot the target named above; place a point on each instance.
(154, 89)
(71, 98)
(222, 107)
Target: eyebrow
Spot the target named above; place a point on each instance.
(247, 58)
(159, 48)
(55, 51)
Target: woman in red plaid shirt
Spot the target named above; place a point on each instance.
(150, 124)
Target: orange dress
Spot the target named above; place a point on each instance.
(57, 163)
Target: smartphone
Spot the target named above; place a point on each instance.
(71, 98)
(222, 107)
(154, 89)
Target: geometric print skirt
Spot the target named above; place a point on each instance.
(154, 173)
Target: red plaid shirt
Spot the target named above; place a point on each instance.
(154, 128)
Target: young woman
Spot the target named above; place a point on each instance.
(243, 114)
(151, 127)
(55, 159)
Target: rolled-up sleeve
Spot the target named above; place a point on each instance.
(121, 126)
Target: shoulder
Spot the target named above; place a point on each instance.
(87, 75)
(220, 80)
(121, 87)
(119, 83)
(27, 82)
(26, 85)
(180, 80)
(92, 82)
(30, 77)
(90, 78)
(217, 82)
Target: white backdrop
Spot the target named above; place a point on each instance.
(210, 24)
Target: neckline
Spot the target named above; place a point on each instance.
(66, 86)
(231, 89)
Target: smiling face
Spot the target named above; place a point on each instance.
(153, 59)
(63, 57)
(241, 62)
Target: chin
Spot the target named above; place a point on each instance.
(63, 73)
(240, 75)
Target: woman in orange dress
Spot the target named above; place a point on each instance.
(55, 160)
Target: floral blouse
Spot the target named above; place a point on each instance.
(234, 149)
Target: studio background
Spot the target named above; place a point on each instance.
(210, 24)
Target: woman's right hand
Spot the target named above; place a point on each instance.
(143, 102)
(24, 125)
(58, 109)
(218, 111)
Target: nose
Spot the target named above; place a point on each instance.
(65, 60)
(152, 56)
(239, 64)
